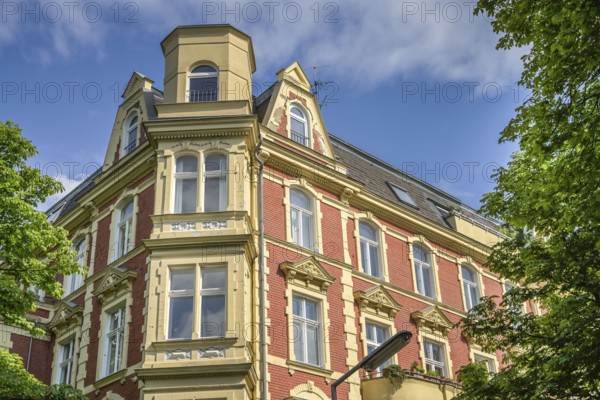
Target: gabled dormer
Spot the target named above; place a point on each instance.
(289, 109)
(128, 134)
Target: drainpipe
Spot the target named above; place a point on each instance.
(30, 346)
(261, 270)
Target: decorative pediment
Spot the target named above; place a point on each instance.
(308, 272)
(136, 82)
(377, 300)
(115, 281)
(433, 319)
(67, 314)
(296, 74)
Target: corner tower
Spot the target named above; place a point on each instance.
(208, 63)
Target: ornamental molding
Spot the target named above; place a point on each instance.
(214, 224)
(66, 315)
(115, 282)
(212, 352)
(377, 300)
(432, 319)
(308, 271)
(178, 355)
(183, 226)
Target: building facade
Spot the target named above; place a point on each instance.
(170, 229)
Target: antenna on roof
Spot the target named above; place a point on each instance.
(317, 85)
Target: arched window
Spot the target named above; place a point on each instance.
(369, 250)
(125, 229)
(215, 183)
(423, 271)
(73, 281)
(186, 184)
(130, 134)
(301, 219)
(203, 84)
(299, 126)
(470, 287)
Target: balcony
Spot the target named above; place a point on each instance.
(416, 386)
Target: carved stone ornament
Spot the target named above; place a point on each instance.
(377, 300)
(67, 314)
(212, 352)
(215, 224)
(346, 194)
(307, 271)
(183, 226)
(432, 318)
(114, 282)
(178, 355)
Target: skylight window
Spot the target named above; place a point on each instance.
(403, 195)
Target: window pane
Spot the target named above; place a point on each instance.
(312, 344)
(374, 259)
(295, 226)
(213, 278)
(127, 211)
(467, 274)
(212, 194)
(427, 282)
(182, 279)
(212, 316)
(310, 310)
(187, 164)
(298, 341)
(297, 306)
(364, 256)
(296, 111)
(307, 240)
(203, 89)
(185, 195)
(367, 232)
(300, 200)
(207, 69)
(181, 317)
(215, 162)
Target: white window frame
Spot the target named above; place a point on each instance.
(303, 120)
(370, 245)
(434, 364)
(370, 325)
(223, 182)
(119, 334)
(180, 294)
(72, 282)
(127, 232)
(304, 322)
(467, 285)
(490, 364)
(65, 362)
(421, 266)
(128, 146)
(200, 75)
(298, 231)
(212, 292)
(177, 176)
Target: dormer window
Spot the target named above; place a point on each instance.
(299, 126)
(203, 84)
(130, 133)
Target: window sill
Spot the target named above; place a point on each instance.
(309, 369)
(107, 380)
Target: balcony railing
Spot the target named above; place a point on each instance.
(299, 138)
(198, 96)
(414, 386)
(129, 148)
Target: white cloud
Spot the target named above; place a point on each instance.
(370, 44)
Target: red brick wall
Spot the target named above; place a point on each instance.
(274, 213)
(331, 229)
(41, 356)
(103, 244)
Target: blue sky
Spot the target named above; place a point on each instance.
(417, 84)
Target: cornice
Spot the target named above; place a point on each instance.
(209, 370)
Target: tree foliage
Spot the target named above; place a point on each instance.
(551, 186)
(32, 251)
(18, 384)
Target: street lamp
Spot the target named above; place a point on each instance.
(377, 357)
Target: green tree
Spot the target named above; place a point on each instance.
(18, 384)
(32, 251)
(551, 187)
